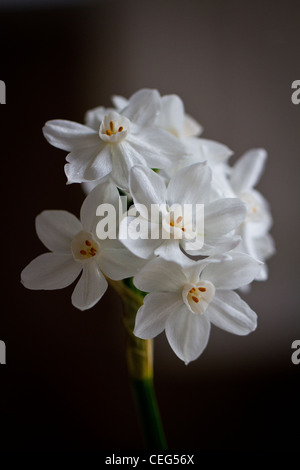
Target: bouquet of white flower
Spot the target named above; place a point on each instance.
(166, 222)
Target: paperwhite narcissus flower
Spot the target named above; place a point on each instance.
(76, 248)
(122, 140)
(185, 301)
(191, 185)
(255, 239)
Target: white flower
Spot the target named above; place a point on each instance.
(255, 239)
(190, 185)
(75, 248)
(122, 140)
(185, 301)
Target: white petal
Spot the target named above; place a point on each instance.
(191, 185)
(146, 187)
(229, 312)
(104, 193)
(56, 229)
(143, 248)
(124, 157)
(119, 102)
(223, 215)
(50, 271)
(94, 117)
(119, 263)
(159, 275)
(69, 135)
(151, 317)
(159, 148)
(248, 170)
(187, 333)
(170, 250)
(89, 164)
(212, 151)
(191, 127)
(90, 287)
(213, 246)
(233, 271)
(171, 117)
(143, 107)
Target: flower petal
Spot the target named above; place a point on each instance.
(104, 193)
(248, 170)
(146, 187)
(159, 275)
(69, 135)
(191, 185)
(143, 248)
(50, 271)
(191, 127)
(171, 117)
(151, 317)
(119, 263)
(159, 148)
(89, 164)
(143, 107)
(90, 287)
(187, 333)
(223, 215)
(124, 157)
(230, 313)
(234, 271)
(56, 229)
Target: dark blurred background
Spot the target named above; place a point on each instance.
(65, 383)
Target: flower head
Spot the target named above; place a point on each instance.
(75, 248)
(112, 142)
(185, 301)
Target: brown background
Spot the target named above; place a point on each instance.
(65, 383)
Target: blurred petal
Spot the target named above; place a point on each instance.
(234, 271)
(69, 135)
(223, 216)
(119, 263)
(187, 333)
(230, 313)
(191, 185)
(151, 317)
(159, 275)
(191, 127)
(171, 117)
(90, 287)
(248, 170)
(56, 229)
(143, 107)
(50, 271)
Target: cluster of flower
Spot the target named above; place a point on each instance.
(148, 148)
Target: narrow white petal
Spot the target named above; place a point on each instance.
(223, 215)
(146, 187)
(170, 250)
(234, 271)
(119, 102)
(191, 185)
(104, 193)
(124, 157)
(119, 263)
(151, 317)
(171, 117)
(248, 170)
(50, 271)
(187, 333)
(212, 151)
(69, 135)
(143, 107)
(88, 164)
(90, 287)
(191, 127)
(230, 313)
(144, 248)
(159, 275)
(159, 148)
(56, 229)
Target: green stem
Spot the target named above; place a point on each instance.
(139, 354)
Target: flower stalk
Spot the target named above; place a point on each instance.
(139, 355)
